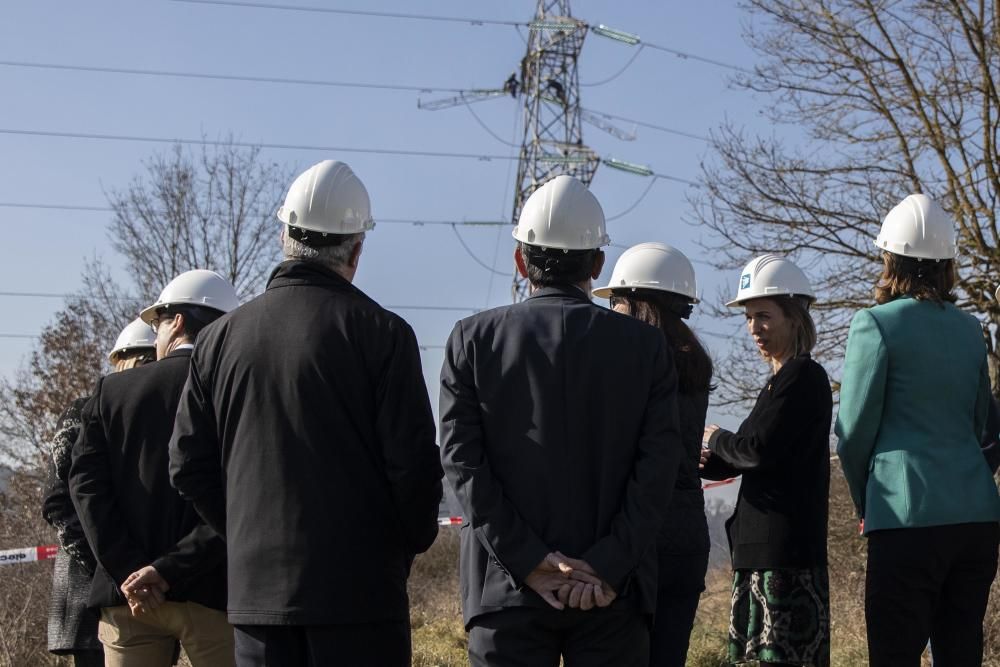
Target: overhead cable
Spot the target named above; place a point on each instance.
(353, 12)
(250, 144)
(225, 77)
(418, 222)
(472, 254)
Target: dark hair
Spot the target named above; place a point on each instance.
(664, 310)
(196, 318)
(927, 280)
(796, 309)
(551, 266)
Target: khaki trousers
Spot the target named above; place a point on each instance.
(148, 641)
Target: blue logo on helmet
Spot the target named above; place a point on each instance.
(745, 281)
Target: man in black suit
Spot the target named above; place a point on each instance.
(559, 434)
(153, 550)
(305, 435)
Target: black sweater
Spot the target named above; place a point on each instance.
(782, 449)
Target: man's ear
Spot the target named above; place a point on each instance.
(177, 325)
(598, 265)
(522, 269)
(355, 257)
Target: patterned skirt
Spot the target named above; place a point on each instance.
(781, 616)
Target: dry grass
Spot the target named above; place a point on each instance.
(24, 589)
(435, 607)
(438, 636)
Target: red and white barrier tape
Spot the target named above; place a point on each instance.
(28, 554)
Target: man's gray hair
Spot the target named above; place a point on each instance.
(331, 256)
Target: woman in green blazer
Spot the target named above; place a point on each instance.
(913, 404)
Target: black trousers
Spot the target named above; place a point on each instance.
(681, 582)
(529, 637)
(380, 644)
(929, 583)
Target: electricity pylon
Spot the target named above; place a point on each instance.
(550, 89)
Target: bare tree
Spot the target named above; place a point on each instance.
(880, 98)
(213, 209)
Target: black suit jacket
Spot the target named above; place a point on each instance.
(305, 434)
(120, 483)
(782, 449)
(559, 431)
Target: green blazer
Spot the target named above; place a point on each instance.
(913, 405)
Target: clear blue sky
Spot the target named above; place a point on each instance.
(44, 250)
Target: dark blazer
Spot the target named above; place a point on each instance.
(305, 434)
(685, 527)
(558, 432)
(782, 449)
(120, 484)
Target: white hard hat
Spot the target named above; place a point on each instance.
(135, 336)
(564, 215)
(328, 198)
(769, 276)
(199, 287)
(654, 266)
(918, 227)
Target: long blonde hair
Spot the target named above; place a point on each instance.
(133, 359)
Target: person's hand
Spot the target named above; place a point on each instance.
(586, 589)
(547, 578)
(706, 453)
(145, 590)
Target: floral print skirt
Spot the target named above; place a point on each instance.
(781, 616)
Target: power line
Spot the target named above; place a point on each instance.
(472, 254)
(326, 149)
(91, 297)
(10, 335)
(638, 201)
(448, 19)
(226, 77)
(417, 222)
(651, 126)
(354, 12)
(316, 82)
(692, 56)
(618, 73)
(248, 144)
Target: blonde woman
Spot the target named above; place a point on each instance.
(781, 611)
(72, 628)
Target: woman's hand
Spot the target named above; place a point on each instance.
(706, 453)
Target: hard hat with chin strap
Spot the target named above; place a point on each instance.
(135, 336)
(769, 276)
(652, 266)
(918, 227)
(200, 288)
(562, 215)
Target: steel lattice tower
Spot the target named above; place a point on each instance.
(553, 137)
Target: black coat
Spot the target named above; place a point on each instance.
(305, 434)
(559, 431)
(685, 527)
(782, 449)
(121, 487)
(72, 626)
